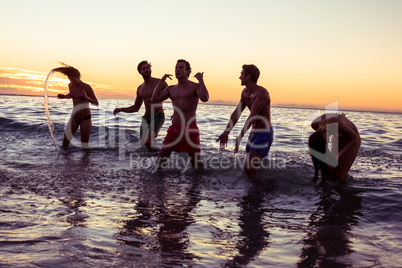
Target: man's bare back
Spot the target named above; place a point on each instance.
(250, 97)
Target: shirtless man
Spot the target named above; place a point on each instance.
(344, 139)
(183, 134)
(257, 99)
(154, 116)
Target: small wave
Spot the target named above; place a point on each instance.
(10, 125)
(396, 144)
(4, 121)
(375, 153)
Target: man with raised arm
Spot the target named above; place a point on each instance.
(154, 116)
(183, 134)
(257, 99)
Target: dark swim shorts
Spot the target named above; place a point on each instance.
(152, 122)
(260, 141)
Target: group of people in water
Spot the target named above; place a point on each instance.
(183, 133)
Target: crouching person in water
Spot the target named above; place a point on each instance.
(81, 94)
(333, 146)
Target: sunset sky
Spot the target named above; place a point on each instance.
(310, 53)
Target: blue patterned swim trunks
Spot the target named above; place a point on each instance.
(260, 141)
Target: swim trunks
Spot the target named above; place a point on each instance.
(260, 141)
(152, 121)
(183, 140)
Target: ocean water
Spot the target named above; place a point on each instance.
(109, 208)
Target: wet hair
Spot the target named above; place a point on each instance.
(252, 70)
(317, 143)
(142, 63)
(68, 70)
(188, 67)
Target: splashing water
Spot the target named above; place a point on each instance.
(46, 105)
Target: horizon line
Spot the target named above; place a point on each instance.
(231, 103)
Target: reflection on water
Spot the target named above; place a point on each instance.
(328, 239)
(98, 210)
(253, 238)
(162, 215)
(74, 200)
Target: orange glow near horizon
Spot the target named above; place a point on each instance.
(283, 93)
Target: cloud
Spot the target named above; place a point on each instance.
(27, 82)
(20, 80)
